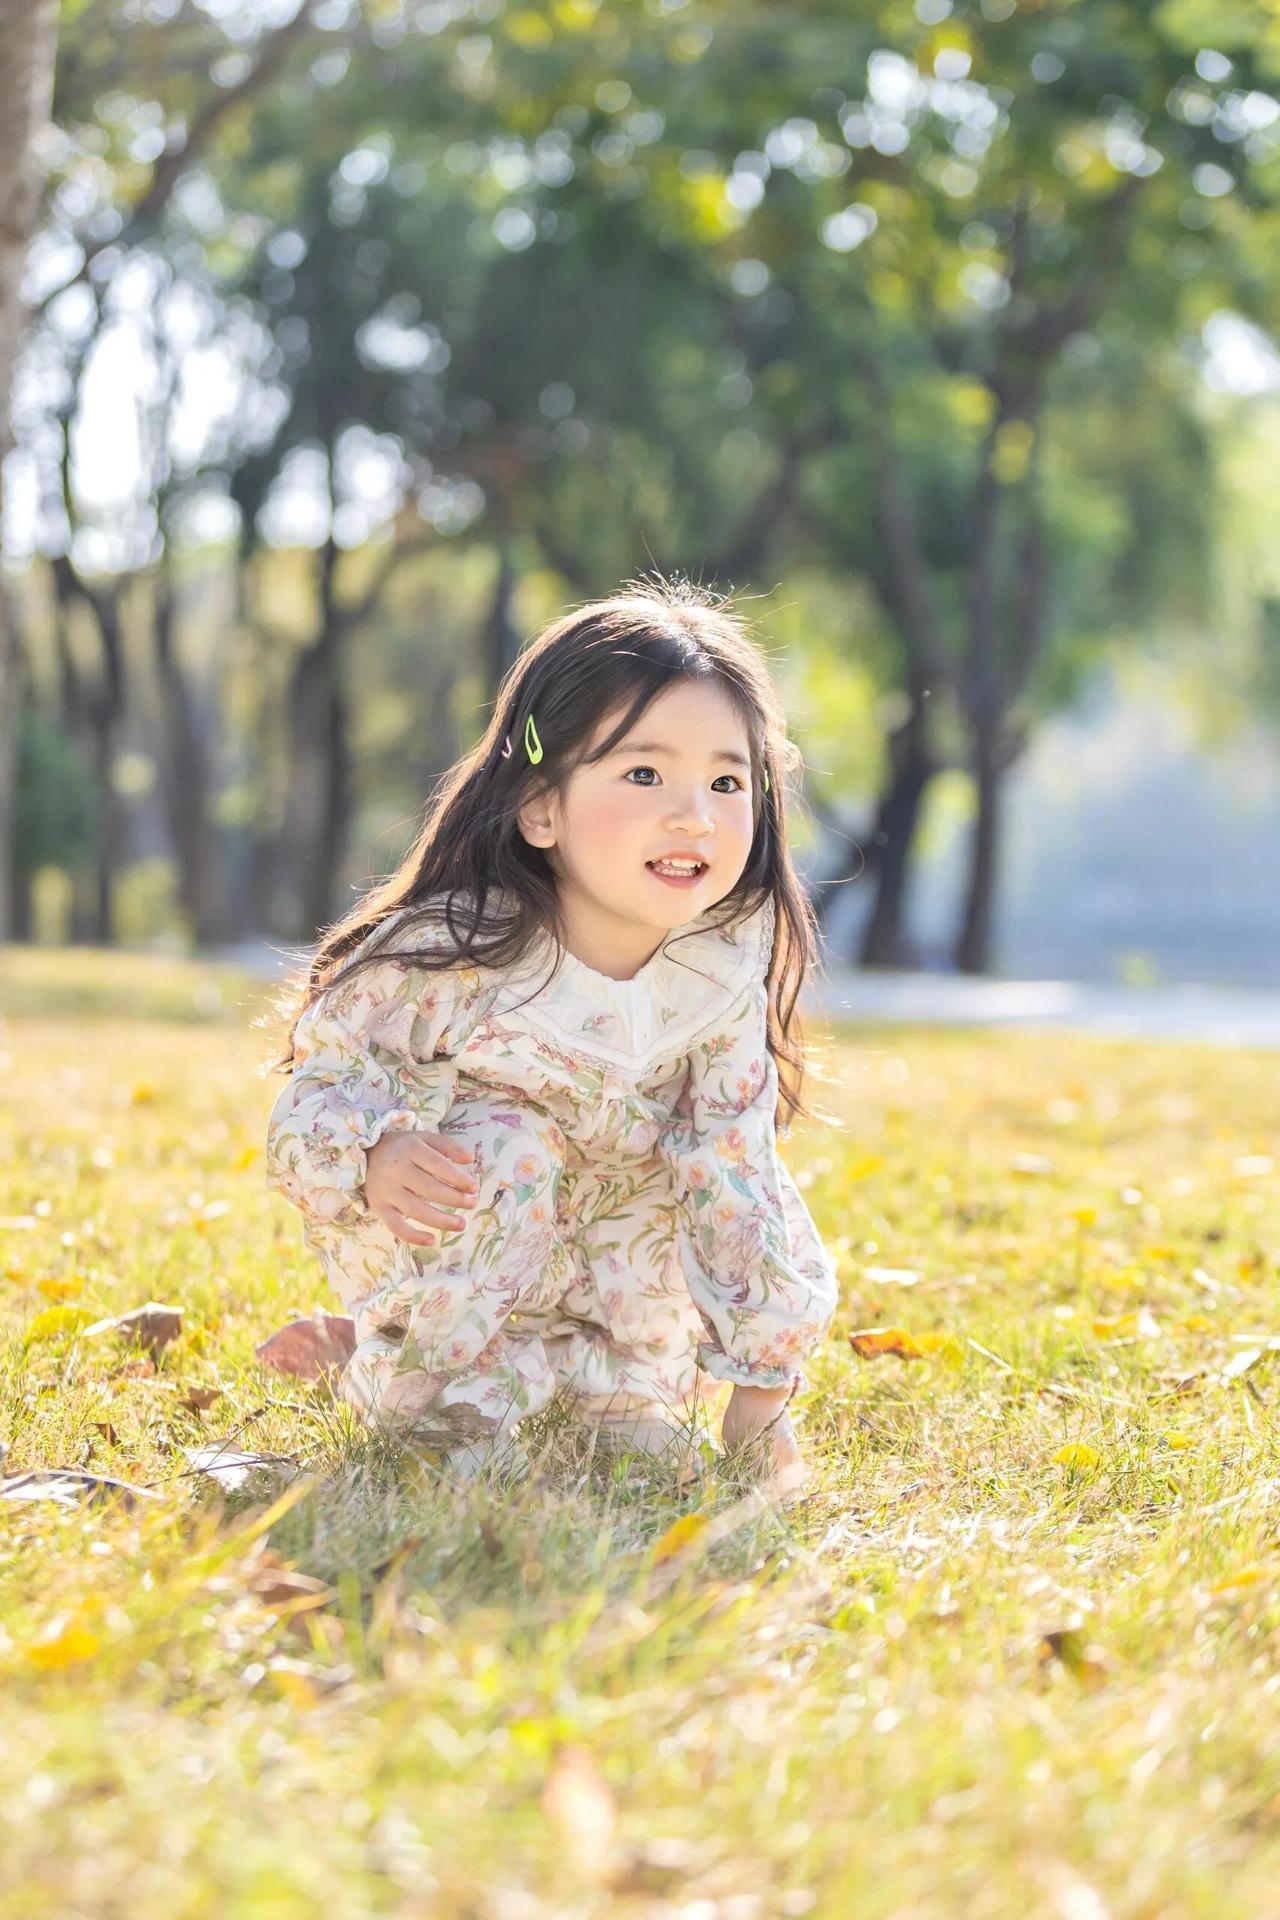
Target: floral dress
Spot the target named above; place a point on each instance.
(634, 1223)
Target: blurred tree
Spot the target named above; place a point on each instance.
(28, 30)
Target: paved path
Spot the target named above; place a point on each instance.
(1222, 1016)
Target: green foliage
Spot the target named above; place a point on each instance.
(56, 797)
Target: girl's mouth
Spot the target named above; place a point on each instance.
(680, 875)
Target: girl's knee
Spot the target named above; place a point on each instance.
(512, 1146)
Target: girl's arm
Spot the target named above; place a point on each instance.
(757, 1270)
(363, 1067)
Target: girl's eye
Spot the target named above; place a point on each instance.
(736, 788)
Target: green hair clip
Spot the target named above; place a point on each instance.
(532, 744)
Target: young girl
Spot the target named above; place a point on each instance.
(531, 1117)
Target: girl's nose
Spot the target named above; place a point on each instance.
(694, 812)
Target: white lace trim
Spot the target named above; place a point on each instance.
(686, 989)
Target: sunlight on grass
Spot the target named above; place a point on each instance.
(1015, 1655)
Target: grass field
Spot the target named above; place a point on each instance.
(1017, 1654)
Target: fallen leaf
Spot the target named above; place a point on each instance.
(198, 1399)
(286, 1590)
(66, 1486)
(1250, 1576)
(65, 1644)
(680, 1534)
(52, 1321)
(231, 1468)
(1077, 1456)
(141, 1367)
(310, 1346)
(862, 1169)
(1177, 1442)
(294, 1682)
(1068, 1646)
(1140, 1325)
(60, 1290)
(152, 1326)
(892, 1276)
(876, 1341)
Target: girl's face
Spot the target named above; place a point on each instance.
(678, 784)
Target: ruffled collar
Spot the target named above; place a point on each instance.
(686, 988)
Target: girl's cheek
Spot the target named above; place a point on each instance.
(615, 812)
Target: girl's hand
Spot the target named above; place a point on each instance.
(757, 1417)
(423, 1177)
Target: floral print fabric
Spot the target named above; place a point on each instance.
(634, 1222)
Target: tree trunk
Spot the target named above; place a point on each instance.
(501, 639)
(884, 940)
(317, 807)
(28, 37)
(186, 783)
(973, 951)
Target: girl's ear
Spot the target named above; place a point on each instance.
(536, 820)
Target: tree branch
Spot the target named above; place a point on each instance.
(171, 165)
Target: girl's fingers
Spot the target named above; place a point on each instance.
(454, 1148)
(429, 1160)
(401, 1226)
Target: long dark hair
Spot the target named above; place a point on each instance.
(471, 867)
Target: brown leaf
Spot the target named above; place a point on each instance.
(310, 1346)
(1067, 1645)
(286, 1590)
(198, 1399)
(152, 1326)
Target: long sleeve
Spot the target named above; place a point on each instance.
(755, 1266)
(363, 1067)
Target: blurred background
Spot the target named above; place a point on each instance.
(359, 338)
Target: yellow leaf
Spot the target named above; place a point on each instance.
(245, 1158)
(680, 1534)
(55, 1320)
(1178, 1442)
(65, 1645)
(1084, 1216)
(141, 1092)
(873, 1341)
(945, 1344)
(861, 1169)
(1247, 1577)
(58, 1290)
(1141, 1324)
(1197, 1323)
(1077, 1456)
(293, 1685)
